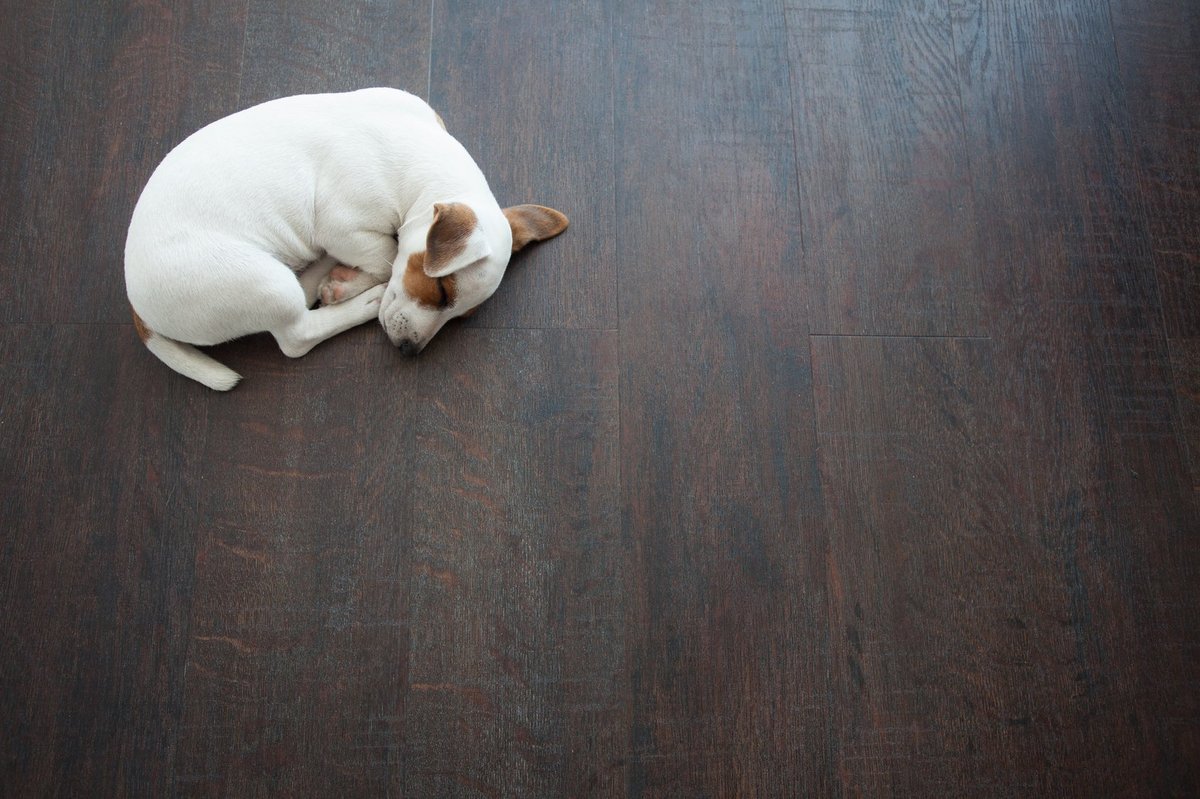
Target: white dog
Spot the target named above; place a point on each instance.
(250, 220)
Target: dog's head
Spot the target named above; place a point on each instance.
(456, 265)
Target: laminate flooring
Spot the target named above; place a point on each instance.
(847, 444)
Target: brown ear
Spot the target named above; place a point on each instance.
(446, 244)
(534, 223)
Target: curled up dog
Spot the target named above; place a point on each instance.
(360, 200)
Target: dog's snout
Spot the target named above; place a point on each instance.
(408, 347)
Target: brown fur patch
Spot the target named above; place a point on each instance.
(140, 326)
(534, 223)
(452, 226)
(428, 291)
(440, 121)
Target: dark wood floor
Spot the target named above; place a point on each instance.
(848, 444)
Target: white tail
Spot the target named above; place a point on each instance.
(186, 359)
(191, 362)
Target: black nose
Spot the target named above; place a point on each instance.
(408, 347)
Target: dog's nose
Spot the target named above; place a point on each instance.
(408, 347)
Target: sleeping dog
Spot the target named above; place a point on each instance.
(361, 200)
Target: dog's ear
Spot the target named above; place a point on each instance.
(454, 240)
(534, 223)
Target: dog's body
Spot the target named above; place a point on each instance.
(243, 225)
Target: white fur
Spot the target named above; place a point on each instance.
(223, 236)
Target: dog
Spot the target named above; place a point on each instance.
(359, 199)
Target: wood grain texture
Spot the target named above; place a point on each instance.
(846, 444)
(306, 46)
(1111, 499)
(1073, 22)
(525, 93)
(125, 83)
(1036, 541)
(97, 572)
(1158, 45)
(886, 199)
(293, 676)
(1185, 371)
(720, 499)
(516, 682)
(935, 581)
(1081, 355)
(1051, 142)
(26, 56)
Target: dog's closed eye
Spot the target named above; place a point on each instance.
(432, 292)
(446, 289)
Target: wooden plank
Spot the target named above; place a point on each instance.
(135, 84)
(515, 682)
(381, 571)
(941, 645)
(1079, 23)
(307, 46)
(25, 33)
(1066, 240)
(98, 546)
(1082, 356)
(884, 171)
(1111, 501)
(721, 505)
(1185, 371)
(527, 89)
(996, 584)
(298, 635)
(1158, 44)
(299, 647)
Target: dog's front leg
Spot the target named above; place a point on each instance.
(309, 328)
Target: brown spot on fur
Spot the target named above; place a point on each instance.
(534, 223)
(440, 121)
(452, 226)
(429, 291)
(140, 326)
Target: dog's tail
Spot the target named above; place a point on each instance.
(186, 359)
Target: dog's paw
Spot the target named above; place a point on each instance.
(342, 283)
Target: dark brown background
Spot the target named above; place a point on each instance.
(847, 444)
